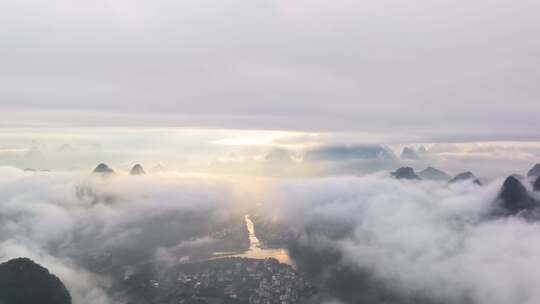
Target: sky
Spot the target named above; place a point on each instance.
(428, 70)
(228, 86)
(251, 153)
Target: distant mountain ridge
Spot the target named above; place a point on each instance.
(431, 173)
(137, 170)
(354, 152)
(405, 173)
(409, 153)
(103, 168)
(466, 176)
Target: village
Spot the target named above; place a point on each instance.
(226, 280)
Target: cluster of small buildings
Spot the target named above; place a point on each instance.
(284, 286)
(236, 280)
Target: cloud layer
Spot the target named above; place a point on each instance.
(84, 228)
(427, 70)
(374, 240)
(368, 239)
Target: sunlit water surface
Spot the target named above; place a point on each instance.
(256, 251)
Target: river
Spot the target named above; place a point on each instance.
(256, 251)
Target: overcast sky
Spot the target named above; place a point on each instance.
(463, 70)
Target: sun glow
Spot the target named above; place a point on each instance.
(266, 138)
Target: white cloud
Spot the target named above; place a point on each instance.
(427, 240)
(67, 221)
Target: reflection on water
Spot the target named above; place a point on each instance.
(255, 250)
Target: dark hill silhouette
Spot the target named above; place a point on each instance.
(103, 168)
(137, 170)
(22, 281)
(536, 184)
(535, 171)
(431, 173)
(466, 176)
(405, 173)
(514, 196)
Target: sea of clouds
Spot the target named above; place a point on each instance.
(411, 242)
(61, 220)
(382, 240)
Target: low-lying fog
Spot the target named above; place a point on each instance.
(371, 239)
(72, 223)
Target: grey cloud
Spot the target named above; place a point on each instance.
(427, 70)
(409, 153)
(349, 152)
(349, 159)
(278, 155)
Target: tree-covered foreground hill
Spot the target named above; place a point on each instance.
(22, 281)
